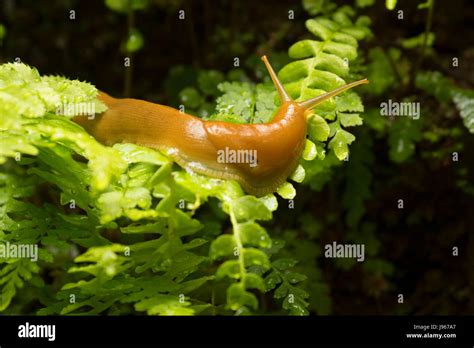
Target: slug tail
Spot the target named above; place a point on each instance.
(310, 103)
(281, 91)
(105, 98)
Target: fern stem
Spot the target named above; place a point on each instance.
(429, 22)
(398, 76)
(235, 229)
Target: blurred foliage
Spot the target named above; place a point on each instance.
(123, 229)
(2, 33)
(435, 84)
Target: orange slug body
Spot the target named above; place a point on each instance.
(196, 144)
(259, 156)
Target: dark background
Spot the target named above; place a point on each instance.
(40, 33)
(417, 240)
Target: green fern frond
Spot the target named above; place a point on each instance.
(439, 86)
(464, 101)
(321, 65)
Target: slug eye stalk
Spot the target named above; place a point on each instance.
(310, 103)
(279, 87)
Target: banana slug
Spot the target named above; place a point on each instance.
(259, 156)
